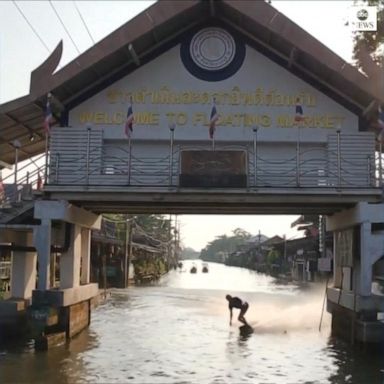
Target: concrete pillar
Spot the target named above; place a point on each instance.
(364, 270)
(42, 241)
(23, 272)
(85, 255)
(70, 261)
(337, 270)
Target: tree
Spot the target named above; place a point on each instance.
(370, 42)
(273, 257)
(189, 253)
(224, 245)
(241, 234)
(155, 226)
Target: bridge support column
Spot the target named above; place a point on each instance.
(70, 260)
(85, 256)
(13, 322)
(358, 245)
(23, 275)
(363, 265)
(60, 314)
(23, 260)
(42, 241)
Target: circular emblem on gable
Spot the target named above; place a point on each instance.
(212, 49)
(212, 54)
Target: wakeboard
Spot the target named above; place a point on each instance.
(245, 330)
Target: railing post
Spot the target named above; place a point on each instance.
(16, 164)
(16, 144)
(255, 156)
(87, 159)
(172, 133)
(27, 178)
(129, 159)
(57, 165)
(338, 132)
(298, 158)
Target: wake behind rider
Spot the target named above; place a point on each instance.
(235, 302)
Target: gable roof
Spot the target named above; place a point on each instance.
(152, 32)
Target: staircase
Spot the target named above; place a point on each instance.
(18, 194)
(16, 213)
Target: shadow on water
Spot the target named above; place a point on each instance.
(20, 363)
(349, 361)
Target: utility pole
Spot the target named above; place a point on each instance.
(175, 242)
(128, 250)
(169, 241)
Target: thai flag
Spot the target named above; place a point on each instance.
(48, 118)
(299, 115)
(129, 121)
(213, 120)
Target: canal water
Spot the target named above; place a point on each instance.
(177, 331)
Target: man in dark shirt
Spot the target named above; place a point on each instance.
(235, 302)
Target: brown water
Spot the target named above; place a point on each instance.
(178, 332)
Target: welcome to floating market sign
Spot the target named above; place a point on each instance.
(212, 67)
(236, 108)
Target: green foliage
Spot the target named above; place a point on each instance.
(241, 234)
(223, 245)
(156, 226)
(373, 41)
(273, 257)
(189, 253)
(149, 266)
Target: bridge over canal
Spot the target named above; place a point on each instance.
(236, 111)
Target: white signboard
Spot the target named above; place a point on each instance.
(260, 93)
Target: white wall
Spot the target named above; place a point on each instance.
(256, 73)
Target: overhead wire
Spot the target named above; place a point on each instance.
(139, 228)
(31, 26)
(63, 25)
(146, 234)
(84, 23)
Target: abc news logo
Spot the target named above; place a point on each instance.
(363, 18)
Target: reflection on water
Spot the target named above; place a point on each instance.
(178, 332)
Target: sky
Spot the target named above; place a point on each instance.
(21, 51)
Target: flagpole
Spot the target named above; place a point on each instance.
(255, 128)
(212, 123)
(128, 132)
(172, 133)
(298, 157)
(129, 160)
(47, 127)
